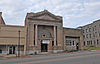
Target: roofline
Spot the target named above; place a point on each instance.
(71, 28)
(14, 26)
(29, 15)
(2, 22)
(44, 11)
(91, 23)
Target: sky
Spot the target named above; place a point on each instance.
(75, 13)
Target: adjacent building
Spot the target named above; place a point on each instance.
(43, 32)
(73, 39)
(91, 34)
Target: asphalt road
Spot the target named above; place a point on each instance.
(73, 58)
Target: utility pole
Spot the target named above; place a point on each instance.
(19, 43)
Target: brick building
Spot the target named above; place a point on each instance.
(91, 34)
(43, 32)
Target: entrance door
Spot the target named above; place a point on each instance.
(12, 50)
(0, 51)
(77, 46)
(44, 47)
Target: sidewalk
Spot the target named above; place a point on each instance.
(2, 57)
(38, 55)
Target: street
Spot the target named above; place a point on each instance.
(85, 57)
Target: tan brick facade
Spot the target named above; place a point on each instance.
(73, 39)
(9, 37)
(43, 32)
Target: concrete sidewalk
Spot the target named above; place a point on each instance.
(2, 58)
(38, 55)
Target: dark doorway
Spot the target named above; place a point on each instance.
(12, 50)
(0, 51)
(77, 46)
(44, 47)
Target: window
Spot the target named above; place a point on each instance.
(70, 42)
(87, 43)
(67, 42)
(94, 42)
(34, 42)
(84, 43)
(43, 35)
(86, 30)
(83, 36)
(52, 43)
(91, 42)
(97, 42)
(83, 31)
(86, 35)
(0, 51)
(99, 34)
(90, 35)
(73, 43)
(89, 29)
(93, 28)
(95, 34)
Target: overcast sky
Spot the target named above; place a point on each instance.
(75, 12)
